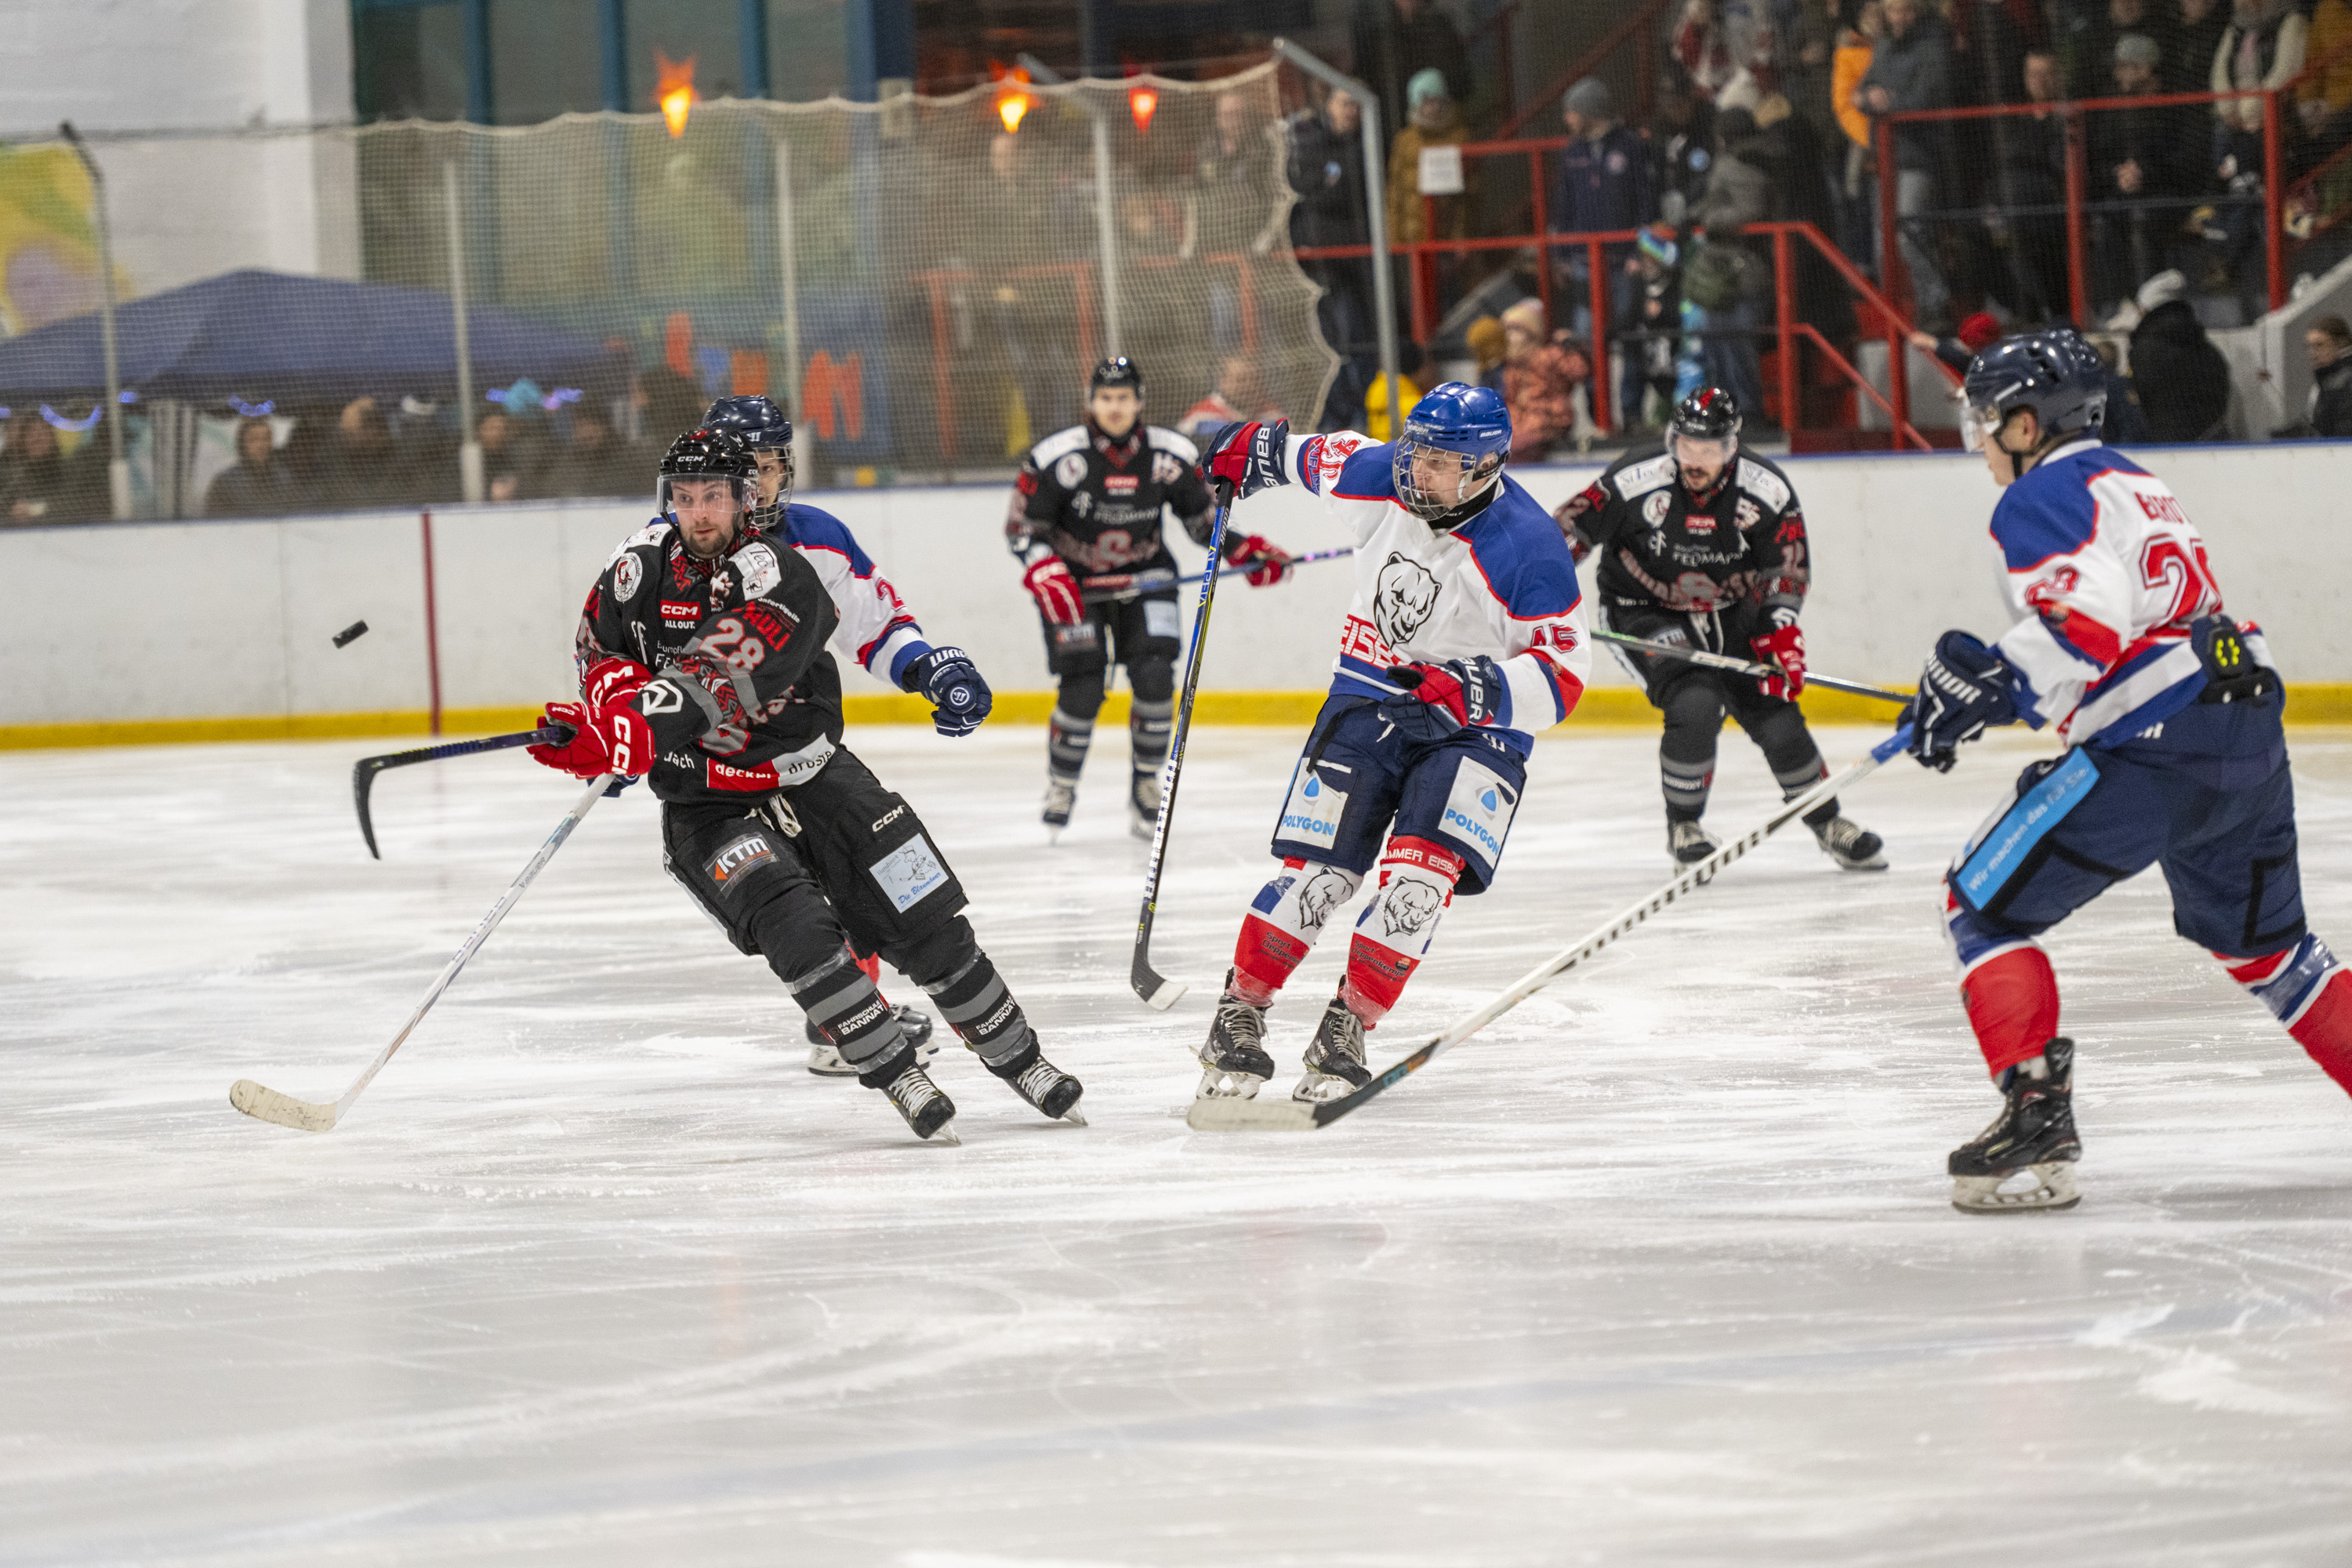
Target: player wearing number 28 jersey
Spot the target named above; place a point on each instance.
(1466, 637)
(2176, 756)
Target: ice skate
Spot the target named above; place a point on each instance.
(1041, 1083)
(1853, 846)
(1143, 806)
(1234, 1060)
(1689, 843)
(928, 1112)
(2033, 1136)
(1334, 1057)
(913, 1022)
(1061, 799)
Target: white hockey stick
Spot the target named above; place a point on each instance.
(311, 1115)
(1232, 1114)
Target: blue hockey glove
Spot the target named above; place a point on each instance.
(960, 698)
(1965, 687)
(1243, 460)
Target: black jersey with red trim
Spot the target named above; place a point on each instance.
(1661, 546)
(1096, 501)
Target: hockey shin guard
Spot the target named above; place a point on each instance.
(1283, 923)
(1796, 763)
(842, 1003)
(1686, 751)
(1067, 739)
(1149, 725)
(2310, 993)
(971, 995)
(1393, 934)
(2006, 986)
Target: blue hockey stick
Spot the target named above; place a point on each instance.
(1232, 1114)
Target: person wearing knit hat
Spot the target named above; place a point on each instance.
(1603, 185)
(1433, 121)
(1975, 334)
(1588, 99)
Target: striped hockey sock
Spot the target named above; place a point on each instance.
(2309, 991)
(1393, 934)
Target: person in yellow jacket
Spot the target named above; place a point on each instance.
(1431, 122)
(1377, 424)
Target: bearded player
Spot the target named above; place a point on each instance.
(1466, 638)
(1703, 546)
(2176, 754)
(703, 668)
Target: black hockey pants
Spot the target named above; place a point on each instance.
(1142, 634)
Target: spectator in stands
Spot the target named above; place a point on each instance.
(1433, 122)
(1976, 332)
(2030, 175)
(1681, 141)
(2325, 107)
(1488, 344)
(362, 467)
(2094, 45)
(2181, 378)
(1713, 48)
(1239, 395)
(1657, 255)
(2137, 158)
(258, 484)
(2327, 411)
(1603, 186)
(1235, 212)
(514, 459)
(597, 463)
(1326, 171)
(1541, 375)
(669, 405)
(1860, 23)
(2195, 40)
(1376, 423)
(2123, 423)
(1723, 278)
(2261, 47)
(1393, 41)
(38, 483)
(1910, 68)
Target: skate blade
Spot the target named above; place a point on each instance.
(946, 1133)
(1317, 1088)
(1875, 863)
(2053, 1189)
(1218, 1084)
(267, 1105)
(1073, 1118)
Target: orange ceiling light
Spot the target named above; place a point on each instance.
(674, 90)
(1142, 102)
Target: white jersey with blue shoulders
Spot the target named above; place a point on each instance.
(1502, 585)
(877, 629)
(2105, 572)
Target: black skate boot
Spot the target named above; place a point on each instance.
(1689, 843)
(1854, 847)
(928, 1112)
(913, 1022)
(2033, 1134)
(1042, 1084)
(1334, 1057)
(1234, 1060)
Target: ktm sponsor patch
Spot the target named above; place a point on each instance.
(737, 859)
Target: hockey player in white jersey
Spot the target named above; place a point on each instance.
(1466, 638)
(2172, 713)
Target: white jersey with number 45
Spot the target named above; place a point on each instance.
(2105, 572)
(1502, 585)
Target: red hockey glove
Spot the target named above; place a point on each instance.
(1268, 563)
(615, 740)
(1783, 646)
(1056, 592)
(615, 681)
(1243, 460)
(1469, 690)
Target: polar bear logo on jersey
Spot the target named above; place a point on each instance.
(1320, 896)
(1406, 594)
(1411, 905)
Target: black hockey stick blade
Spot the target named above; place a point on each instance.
(363, 772)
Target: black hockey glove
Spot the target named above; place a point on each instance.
(1243, 460)
(960, 698)
(1965, 687)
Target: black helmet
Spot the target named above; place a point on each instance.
(2055, 374)
(765, 428)
(704, 453)
(1710, 413)
(1119, 372)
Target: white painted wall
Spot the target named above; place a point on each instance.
(219, 620)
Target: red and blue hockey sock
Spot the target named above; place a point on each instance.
(2006, 986)
(2309, 991)
(1283, 923)
(1393, 934)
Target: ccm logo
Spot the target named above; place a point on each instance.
(892, 815)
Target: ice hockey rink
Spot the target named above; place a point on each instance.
(1660, 1269)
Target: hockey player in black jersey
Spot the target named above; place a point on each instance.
(703, 668)
(1704, 545)
(1087, 504)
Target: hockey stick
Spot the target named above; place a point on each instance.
(1742, 667)
(1228, 1114)
(1128, 584)
(363, 772)
(1155, 989)
(309, 1116)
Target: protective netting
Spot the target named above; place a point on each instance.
(923, 283)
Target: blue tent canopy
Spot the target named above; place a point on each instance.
(254, 335)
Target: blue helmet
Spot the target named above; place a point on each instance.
(763, 428)
(1468, 422)
(2055, 374)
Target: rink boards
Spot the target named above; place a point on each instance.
(223, 630)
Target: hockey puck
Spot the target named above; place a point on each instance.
(351, 634)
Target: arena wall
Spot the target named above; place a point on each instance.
(213, 629)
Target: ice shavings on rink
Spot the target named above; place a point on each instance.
(1658, 1268)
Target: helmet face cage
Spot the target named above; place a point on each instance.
(2055, 374)
(708, 452)
(1474, 469)
(763, 428)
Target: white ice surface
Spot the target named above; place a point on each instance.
(1659, 1269)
